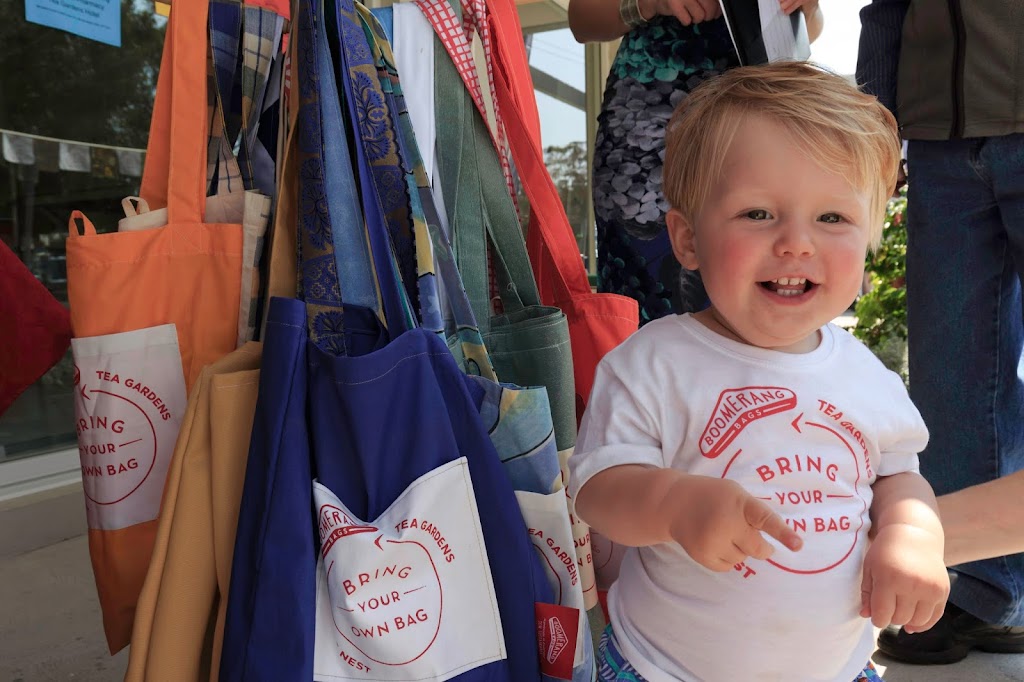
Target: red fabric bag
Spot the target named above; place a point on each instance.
(35, 329)
(597, 322)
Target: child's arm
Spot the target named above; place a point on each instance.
(715, 520)
(905, 580)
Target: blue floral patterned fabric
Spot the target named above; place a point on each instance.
(655, 67)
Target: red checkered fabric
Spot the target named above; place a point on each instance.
(457, 40)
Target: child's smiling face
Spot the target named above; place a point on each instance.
(780, 241)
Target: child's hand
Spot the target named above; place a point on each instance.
(905, 579)
(719, 524)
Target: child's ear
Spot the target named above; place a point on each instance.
(681, 234)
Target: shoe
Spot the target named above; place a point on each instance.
(950, 640)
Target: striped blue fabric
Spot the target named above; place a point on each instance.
(878, 55)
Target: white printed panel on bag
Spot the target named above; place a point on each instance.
(129, 402)
(408, 596)
(547, 519)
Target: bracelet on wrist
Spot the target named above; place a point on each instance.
(629, 12)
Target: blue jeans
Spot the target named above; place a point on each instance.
(965, 264)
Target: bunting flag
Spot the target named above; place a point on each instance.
(52, 154)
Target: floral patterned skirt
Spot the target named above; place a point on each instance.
(655, 67)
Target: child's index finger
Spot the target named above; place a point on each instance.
(761, 517)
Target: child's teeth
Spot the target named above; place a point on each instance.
(789, 281)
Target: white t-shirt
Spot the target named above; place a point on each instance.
(808, 433)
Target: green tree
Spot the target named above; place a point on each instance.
(568, 167)
(882, 312)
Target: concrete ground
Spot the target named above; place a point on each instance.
(50, 628)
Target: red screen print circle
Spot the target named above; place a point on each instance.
(117, 444)
(386, 595)
(818, 495)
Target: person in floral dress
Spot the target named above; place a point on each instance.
(667, 48)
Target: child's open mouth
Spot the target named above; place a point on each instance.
(789, 286)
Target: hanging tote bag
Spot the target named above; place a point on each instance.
(185, 595)
(453, 68)
(597, 322)
(517, 419)
(35, 329)
(149, 309)
(528, 342)
(394, 439)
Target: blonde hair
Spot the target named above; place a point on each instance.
(846, 131)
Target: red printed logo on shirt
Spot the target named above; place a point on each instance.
(738, 407)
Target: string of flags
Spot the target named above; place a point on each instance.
(52, 154)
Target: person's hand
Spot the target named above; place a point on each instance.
(905, 579)
(790, 6)
(720, 524)
(686, 11)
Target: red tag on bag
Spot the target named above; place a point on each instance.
(557, 634)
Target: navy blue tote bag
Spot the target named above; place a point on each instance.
(408, 558)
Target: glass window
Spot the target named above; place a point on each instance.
(74, 116)
(558, 67)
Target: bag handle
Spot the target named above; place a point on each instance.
(244, 40)
(322, 289)
(479, 207)
(552, 223)
(440, 259)
(511, 83)
(88, 228)
(133, 206)
(175, 172)
(282, 280)
(410, 161)
(455, 34)
(385, 206)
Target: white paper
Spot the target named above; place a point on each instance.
(785, 36)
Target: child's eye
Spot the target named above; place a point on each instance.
(757, 214)
(831, 218)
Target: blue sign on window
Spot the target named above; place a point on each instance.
(94, 19)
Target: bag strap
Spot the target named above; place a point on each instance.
(439, 259)
(282, 278)
(514, 99)
(568, 274)
(480, 207)
(175, 172)
(340, 194)
(223, 176)
(455, 35)
(385, 197)
(261, 38)
(556, 256)
(409, 161)
(319, 278)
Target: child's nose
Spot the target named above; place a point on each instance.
(794, 239)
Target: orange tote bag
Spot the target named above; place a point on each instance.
(149, 309)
